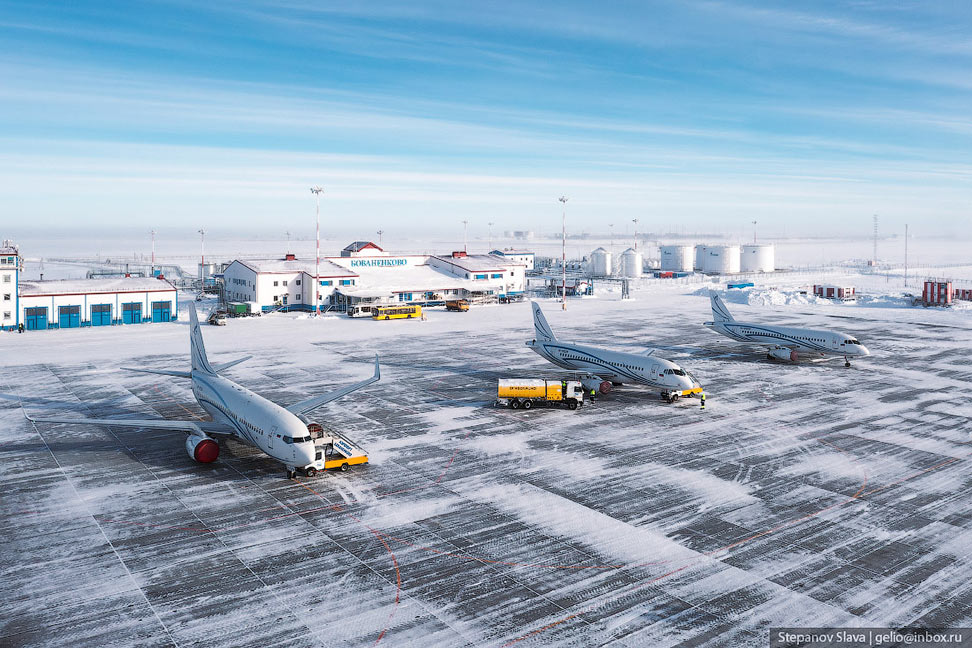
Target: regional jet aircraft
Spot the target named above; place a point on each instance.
(606, 367)
(281, 432)
(785, 343)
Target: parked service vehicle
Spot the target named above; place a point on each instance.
(396, 312)
(460, 305)
(332, 451)
(527, 392)
(217, 318)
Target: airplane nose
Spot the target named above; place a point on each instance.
(864, 351)
(307, 456)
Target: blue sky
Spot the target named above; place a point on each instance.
(689, 115)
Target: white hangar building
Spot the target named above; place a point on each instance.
(365, 276)
(79, 303)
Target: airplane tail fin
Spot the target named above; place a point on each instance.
(719, 311)
(540, 326)
(197, 350)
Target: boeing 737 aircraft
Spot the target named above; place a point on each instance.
(237, 412)
(785, 343)
(608, 367)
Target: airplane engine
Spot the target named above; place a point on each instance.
(202, 448)
(603, 386)
(786, 355)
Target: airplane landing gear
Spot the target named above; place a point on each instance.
(291, 473)
(846, 362)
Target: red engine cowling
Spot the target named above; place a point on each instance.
(784, 355)
(605, 386)
(202, 448)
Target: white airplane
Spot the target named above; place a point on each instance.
(786, 343)
(607, 367)
(237, 412)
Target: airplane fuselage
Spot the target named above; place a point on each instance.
(615, 366)
(803, 341)
(255, 420)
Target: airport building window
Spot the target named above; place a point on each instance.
(275, 284)
(6, 278)
(297, 282)
(285, 282)
(6, 297)
(6, 314)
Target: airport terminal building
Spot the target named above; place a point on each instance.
(365, 276)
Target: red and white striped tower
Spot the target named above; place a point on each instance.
(317, 190)
(563, 256)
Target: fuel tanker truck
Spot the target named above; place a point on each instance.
(527, 392)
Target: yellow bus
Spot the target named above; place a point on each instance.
(396, 312)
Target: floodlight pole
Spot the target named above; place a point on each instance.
(153, 253)
(465, 227)
(379, 233)
(317, 190)
(202, 262)
(754, 232)
(489, 243)
(635, 221)
(563, 256)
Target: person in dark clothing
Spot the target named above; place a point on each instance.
(20, 327)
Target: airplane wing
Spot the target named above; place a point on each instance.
(161, 372)
(313, 403)
(191, 427)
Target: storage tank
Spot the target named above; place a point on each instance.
(601, 263)
(676, 258)
(631, 264)
(758, 258)
(699, 256)
(721, 259)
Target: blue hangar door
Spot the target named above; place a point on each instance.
(132, 313)
(161, 311)
(101, 315)
(69, 316)
(36, 318)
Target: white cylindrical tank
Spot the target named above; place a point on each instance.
(700, 256)
(677, 258)
(758, 258)
(601, 263)
(631, 266)
(721, 259)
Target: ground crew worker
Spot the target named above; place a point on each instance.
(20, 327)
(702, 398)
(593, 394)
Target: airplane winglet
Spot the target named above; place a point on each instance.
(377, 368)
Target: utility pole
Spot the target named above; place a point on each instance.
(465, 228)
(317, 190)
(563, 256)
(202, 262)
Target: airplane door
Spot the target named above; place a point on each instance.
(271, 435)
